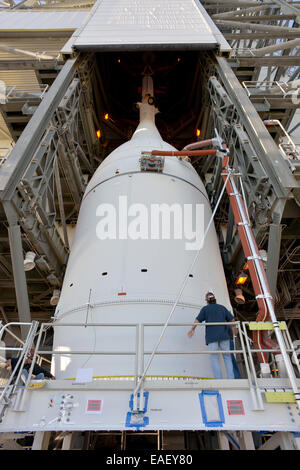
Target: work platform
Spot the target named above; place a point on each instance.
(163, 402)
(170, 404)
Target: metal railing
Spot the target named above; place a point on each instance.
(246, 351)
(243, 52)
(27, 93)
(262, 88)
(4, 152)
(15, 378)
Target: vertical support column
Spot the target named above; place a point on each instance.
(273, 256)
(86, 441)
(230, 226)
(297, 441)
(16, 251)
(68, 441)
(41, 440)
(246, 440)
(223, 441)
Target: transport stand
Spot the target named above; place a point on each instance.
(262, 404)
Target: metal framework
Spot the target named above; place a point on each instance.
(43, 181)
(254, 105)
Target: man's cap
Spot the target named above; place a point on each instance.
(210, 295)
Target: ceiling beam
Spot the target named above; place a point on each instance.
(268, 61)
(257, 27)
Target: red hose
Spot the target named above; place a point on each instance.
(198, 145)
(259, 338)
(183, 153)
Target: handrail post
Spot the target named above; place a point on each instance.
(20, 408)
(258, 393)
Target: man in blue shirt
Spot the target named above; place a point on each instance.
(216, 336)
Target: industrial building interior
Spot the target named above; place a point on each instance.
(78, 108)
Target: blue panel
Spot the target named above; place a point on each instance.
(146, 396)
(129, 424)
(220, 406)
(137, 413)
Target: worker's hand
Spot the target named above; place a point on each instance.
(191, 332)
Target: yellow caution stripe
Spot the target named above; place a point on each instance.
(33, 385)
(262, 325)
(280, 397)
(151, 377)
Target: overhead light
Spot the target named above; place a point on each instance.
(29, 263)
(242, 278)
(239, 298)
(106, 116)
(98, 133)
(198, 132)
(55, 297)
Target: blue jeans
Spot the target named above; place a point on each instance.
(215, 364)
(236, 370)
(37, 377)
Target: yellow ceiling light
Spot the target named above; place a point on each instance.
(242, 278)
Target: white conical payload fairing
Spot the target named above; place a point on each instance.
(140, 224)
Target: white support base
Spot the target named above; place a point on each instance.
(187, 404)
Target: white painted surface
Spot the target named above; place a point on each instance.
(55, 408)
(125, 23)
(41, 20)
